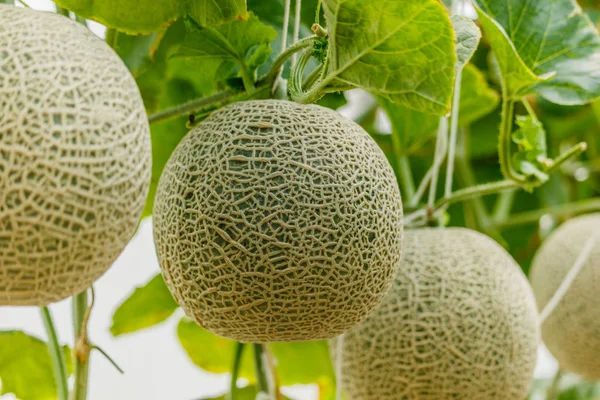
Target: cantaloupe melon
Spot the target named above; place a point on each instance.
(74, 157)
(572, 331)
(460, 322)
(276, 221)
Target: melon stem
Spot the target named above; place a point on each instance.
(56, 355)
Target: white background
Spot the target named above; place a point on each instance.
(156, 367)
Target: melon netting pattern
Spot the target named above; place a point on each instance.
(572, 331)
(276, 221)
(460, 322)
(74, 157)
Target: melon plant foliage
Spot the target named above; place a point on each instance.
(278, 220)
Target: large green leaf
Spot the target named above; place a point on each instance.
(147, 16)
(400, 50)
(411, 129)
(147, 306)
(26, 367)
(517, 79)
(550, 36)
(299, 362)
(220, 50)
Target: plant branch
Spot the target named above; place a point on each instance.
(235, 369)
(441, 145)
(62, 11)
(476, 191)
(528, 217)
(406, 177)
(272, 375)
(339, 371)
(192, 106)
(296, 27)
(284, 56)
(453, 127)
(284, 35)
(261, 374)
(503, 205)
(505, 142)
(109, 358)
(56, 355)
(81, 314)
(572, 152)
(553, 389)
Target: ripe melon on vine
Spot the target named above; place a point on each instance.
(460, 322)
(276, 221)
(572, 331)
(74, 157)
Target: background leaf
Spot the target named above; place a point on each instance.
(147, 306)
(400, 50)
(26, 367)
(298, 362)
(516, 77)
(467, 36)
(147, 16)
(550, 36)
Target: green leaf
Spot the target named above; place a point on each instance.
(532, 155)
(147, 306)
(26, 367)
(135, 51)
(400, 50)
(303, 362)
(210, 352)
(517, 78)
(550, 37)
(297, 363)
(412, 129)
(245, 393)
(220, 50)
(467, 36)
(147, 16)
(477, 98)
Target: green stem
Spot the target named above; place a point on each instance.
(529, 217)
(111, 38)
(505, 142)
(553, 389)
(572, 152)
(261, 372)
(453, 127)
(246, 78)
(476, 191)
(57, 356)
(62, 11)
(406, 176)
(82, 349)
(284, 56)
(235, 369)
(194, 105)
(503, 205)
(529, 109)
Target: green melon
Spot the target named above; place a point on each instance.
(74, 157)
(460, 322)
(572, 331)
(276, 221)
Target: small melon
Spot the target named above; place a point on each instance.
(276, 221)
(460, 322)
(572, 331)
(74, 157)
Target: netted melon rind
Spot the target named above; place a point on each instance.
(460, 322)
(74, 157)
(276, 221)
(572, 331)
